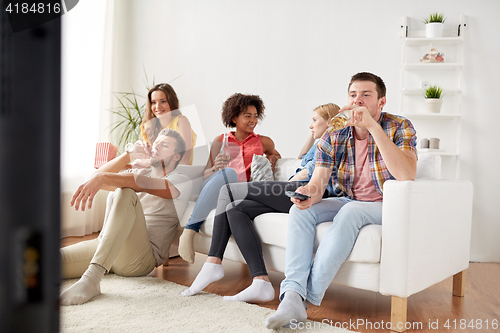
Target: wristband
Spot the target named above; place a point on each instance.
(129, 148)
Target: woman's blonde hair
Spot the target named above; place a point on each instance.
(327, 111)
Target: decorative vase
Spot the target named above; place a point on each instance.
(434, 30)
(433, 105)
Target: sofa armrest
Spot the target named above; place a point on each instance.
(426, 230)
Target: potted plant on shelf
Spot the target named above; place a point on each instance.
(434, 25)
(433, 101)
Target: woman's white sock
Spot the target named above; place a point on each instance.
(84, 289)
(209, 273)
(259, 291)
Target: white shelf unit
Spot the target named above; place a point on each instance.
(447, 124)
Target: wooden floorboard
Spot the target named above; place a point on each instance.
(344, 305)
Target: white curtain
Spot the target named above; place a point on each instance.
(87, 72)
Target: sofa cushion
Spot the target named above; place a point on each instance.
(428, 166)
(285, 168)
(208, 226)
(187, 214)
(272, 229)
(367, 247)
(260, 169)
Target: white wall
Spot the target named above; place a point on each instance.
(299, 54)
(82, 70)
(83, 47)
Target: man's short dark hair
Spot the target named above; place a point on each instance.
(365, 76)
(180, 146)
(237, 104)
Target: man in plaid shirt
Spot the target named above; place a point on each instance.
(374, 147)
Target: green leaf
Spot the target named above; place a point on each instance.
(130, 111)
(433, 92)
(434, 18)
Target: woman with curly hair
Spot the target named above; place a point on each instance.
(242, 112)
(239, 203)
(162, 111)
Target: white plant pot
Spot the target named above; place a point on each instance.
(434, 30)
(433, 105)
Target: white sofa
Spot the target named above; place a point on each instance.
(425, 231)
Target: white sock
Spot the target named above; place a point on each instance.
(186, 246)
(209, 273)
(259, 291)
(84, 289)
(291, 307)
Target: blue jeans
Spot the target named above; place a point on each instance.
(309, 278)
(208, 197)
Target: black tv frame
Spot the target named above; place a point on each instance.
(30, 71)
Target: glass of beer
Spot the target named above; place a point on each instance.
(340, 120)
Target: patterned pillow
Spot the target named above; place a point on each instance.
(260, 169)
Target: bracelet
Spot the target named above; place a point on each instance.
(129, 148)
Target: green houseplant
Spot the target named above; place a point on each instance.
(127, 127)
(434, 17)
(433, 92)
(129, 113)
(434, 25)
(433, 101)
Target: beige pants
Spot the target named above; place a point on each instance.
(123, 247)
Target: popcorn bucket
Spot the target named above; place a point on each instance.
(104, 152)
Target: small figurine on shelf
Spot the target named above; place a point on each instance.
(433, 56)
(424, 143)
(432, 143)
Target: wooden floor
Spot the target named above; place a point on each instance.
(364, 311)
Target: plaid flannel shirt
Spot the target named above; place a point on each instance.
(336, 149)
